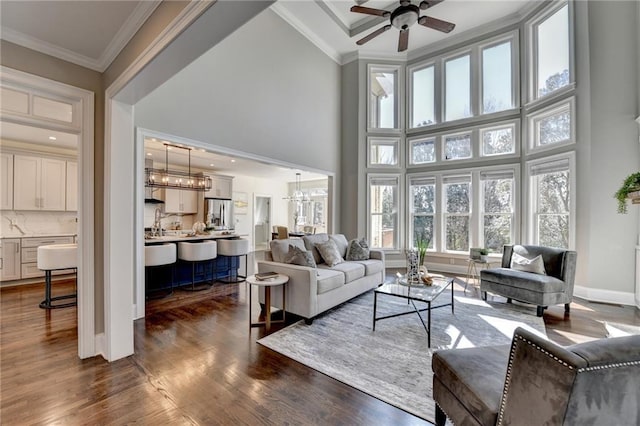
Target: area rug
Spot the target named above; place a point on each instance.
(393, 363)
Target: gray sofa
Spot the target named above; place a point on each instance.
(536, 382)
(311, 291)
(554, 288)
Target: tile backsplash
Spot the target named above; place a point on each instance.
(169, 221)
(33, 223)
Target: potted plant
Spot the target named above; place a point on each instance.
(483, 254)
(630, 184)
(421, 245)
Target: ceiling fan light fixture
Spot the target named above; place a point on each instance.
(405, 16)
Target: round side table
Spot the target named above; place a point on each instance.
(474, 267)
(280, 279)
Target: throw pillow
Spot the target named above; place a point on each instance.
(329, 252)
(311, 240)
(358, 250)
(298, 256)
(521, 263)
(280, 248)
(341, 243)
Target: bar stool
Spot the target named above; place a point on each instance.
(230, 249)
(56, 257)
(155, 256)
(196, 253)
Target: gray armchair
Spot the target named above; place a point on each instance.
(542, 290)
(536, 382)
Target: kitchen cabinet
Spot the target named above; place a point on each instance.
(72, 187)
(10, 260)
(29, 255)
(39, 183)
(6, 181)
(179, 201)
(222, 187)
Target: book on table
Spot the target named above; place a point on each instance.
(266, 275)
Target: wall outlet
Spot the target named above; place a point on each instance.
(452, 261)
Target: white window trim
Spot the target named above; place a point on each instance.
(436, 150)
(445, 214)
(551, 110)
(515, 125)
(437, 74)
(514, 38)
(399, 97)
(530, 197)
(472, 52)
(386, 141)
(398, 235)
(435, 214)
(531, 49)
(517, 205)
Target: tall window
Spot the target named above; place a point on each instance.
(458, 88)
(497, 81)
(383, 98)
(423, 97)
(550, 189)
(457, 202)
(552, 52)
(497, 209)
(422, 209)
(383, 210)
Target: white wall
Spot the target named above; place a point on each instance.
(265, 90)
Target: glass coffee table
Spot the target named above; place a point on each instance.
(414, 293)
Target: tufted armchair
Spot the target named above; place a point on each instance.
(553, 288)
(536, 382)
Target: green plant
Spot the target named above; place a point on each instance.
(421, 245)
(483, 251)
(630, 184)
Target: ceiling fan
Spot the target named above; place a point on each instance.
(402, 17)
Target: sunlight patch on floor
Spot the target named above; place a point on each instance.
(575, 338)
(474, 302)
(507, 327)
(458, 340)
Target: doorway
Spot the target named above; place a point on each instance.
(262, 222)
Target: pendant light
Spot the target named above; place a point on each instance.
(176, 179)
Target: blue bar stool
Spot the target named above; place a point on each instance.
(198, 253)
(155, 256)
(230, 249)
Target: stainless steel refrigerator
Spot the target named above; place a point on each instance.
(218, 213)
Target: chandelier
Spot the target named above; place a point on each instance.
(176, 179)
(298, 195)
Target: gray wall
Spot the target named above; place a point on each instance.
(350, 170)
(264, 90)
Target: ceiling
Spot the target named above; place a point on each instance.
(37, 136)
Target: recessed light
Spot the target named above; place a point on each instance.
(154, 139)
(211, 165)
(203, 150)
(148, 153)
(168, 148)
(52, 138)
(233, 161)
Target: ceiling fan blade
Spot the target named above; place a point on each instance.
(436, 24)
(403, 41)
(370, 11)
(426, 4)
(373, 34)
(359, 2)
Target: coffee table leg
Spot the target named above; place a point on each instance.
(452, 298)
(429, 324)
(375, 305)
(267, 302)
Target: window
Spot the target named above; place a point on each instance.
(550, 188)
(551, 52)
(552, 126)
(383, 152)
(422, 151)
(457, 147)
(498, 140)
(422, 193)
(423, 97)
(383, 98)
(383, 210)
(458, 88)
(457, 202)
(497, 208)
(497, 81)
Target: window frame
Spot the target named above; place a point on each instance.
(371, 178)
(515, 205)
(513, 37)
(460, 174)
(470, 51)
(410, 215)
(436, 93)
(443, 141)
(514, 124)
(436, 150)
(537, 116)
(385, 141)
(398, 100)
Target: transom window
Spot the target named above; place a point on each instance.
(383, 152)
(383, 97)
(422, 151)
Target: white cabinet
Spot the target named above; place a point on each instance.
(29, 255)
(179, 201)
(6, 181)
(39, 183)
(222, 187)
(72, 186)
(10, 260)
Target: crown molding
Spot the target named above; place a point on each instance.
(119, 41)
(306, 31)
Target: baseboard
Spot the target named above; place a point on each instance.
(101, 345)
(605, 296)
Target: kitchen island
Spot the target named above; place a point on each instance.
(179, 273)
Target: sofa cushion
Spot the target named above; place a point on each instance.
(351, 270)
(310, 242)
(298, 256)
(358, 250)
(329, 252)
(522, 263)
(280, 248)
(524, 280)
(328, 279)
(341, 243)
(476, 376)
(371, 266)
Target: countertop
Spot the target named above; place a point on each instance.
(174, 238)
(41, 235)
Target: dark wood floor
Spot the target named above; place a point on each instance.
(196, 362)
